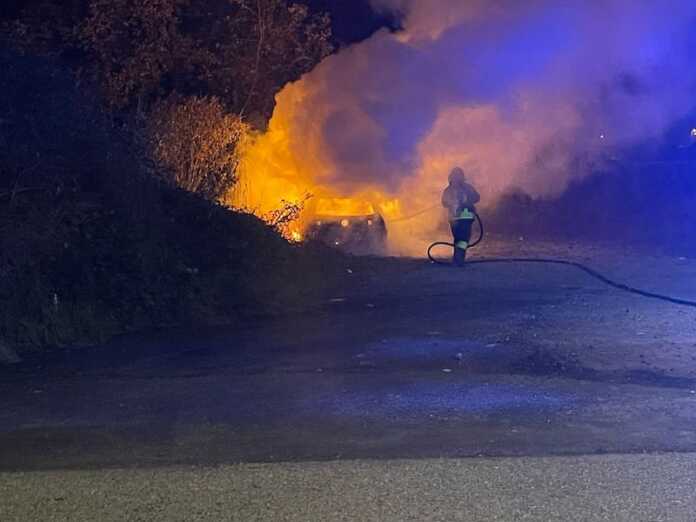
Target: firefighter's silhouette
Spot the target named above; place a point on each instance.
(460, 198)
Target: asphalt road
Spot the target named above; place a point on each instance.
(408, 361)
(638, 488)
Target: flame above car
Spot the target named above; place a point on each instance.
(343, 207)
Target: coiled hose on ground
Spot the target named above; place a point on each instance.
(591, 272)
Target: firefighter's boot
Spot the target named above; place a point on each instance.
(461, 231)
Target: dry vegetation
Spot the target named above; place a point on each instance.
(197, 143)
(100, 102)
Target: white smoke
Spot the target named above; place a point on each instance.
(526, 94)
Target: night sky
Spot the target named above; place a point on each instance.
(353, 20)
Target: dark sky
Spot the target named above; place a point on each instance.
(353, 20)
(10, 8)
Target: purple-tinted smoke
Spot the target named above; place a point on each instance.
(526, 94)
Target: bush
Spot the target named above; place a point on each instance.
(91, 243)
(198, 144)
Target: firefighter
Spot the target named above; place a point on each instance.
(460, 198)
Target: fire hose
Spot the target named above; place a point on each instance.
(551, 261)
(473, 244)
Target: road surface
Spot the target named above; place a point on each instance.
(629, 488)
(406, 361)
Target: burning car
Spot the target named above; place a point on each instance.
(352, 226)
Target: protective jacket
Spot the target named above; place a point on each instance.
(458, 197)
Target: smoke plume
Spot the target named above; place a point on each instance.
(521, 94)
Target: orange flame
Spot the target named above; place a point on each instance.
(284, 165)
(272, 173)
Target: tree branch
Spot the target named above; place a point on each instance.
(259, 50)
